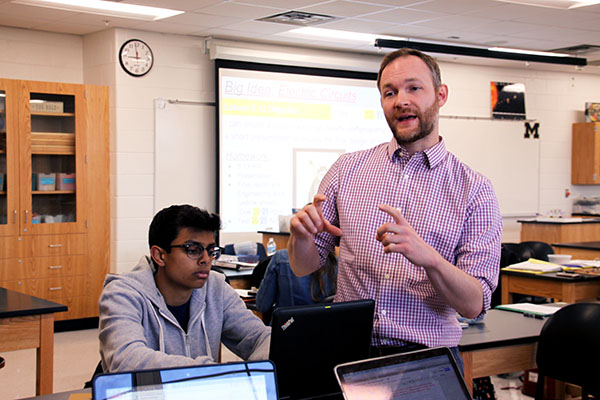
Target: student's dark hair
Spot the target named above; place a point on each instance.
(433, 66)
(317, 279)
(167, 223)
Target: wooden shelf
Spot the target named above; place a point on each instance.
(53, 192)
(51, 114)
(56, 152)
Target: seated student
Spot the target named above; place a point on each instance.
(280, 287)
(170, 310)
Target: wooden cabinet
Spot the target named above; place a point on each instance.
(585, 154)
(54, 195)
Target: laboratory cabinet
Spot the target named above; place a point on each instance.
(54, 192)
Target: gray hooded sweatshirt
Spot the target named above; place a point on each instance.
(137, 330)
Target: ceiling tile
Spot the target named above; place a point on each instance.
(289, 4)
(358, 25)
(204, 20)
(455, 6)
(341, 8)
(455, 22)
(241, 10)
(402, 16)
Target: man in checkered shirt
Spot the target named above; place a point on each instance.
(418, 231)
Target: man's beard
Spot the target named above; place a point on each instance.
(427, 121)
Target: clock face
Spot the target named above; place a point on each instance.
(136, 57)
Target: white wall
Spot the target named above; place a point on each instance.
(182, 70)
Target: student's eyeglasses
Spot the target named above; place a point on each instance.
(195, 250)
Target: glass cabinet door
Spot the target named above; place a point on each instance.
(8, 160)
(55, 163)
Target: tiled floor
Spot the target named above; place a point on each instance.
(76, 356)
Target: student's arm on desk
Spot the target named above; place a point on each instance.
(304, 257)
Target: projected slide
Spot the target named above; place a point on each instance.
(278, 135)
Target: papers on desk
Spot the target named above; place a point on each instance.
(543, 310)
(534, 266)
(582, 264)
(559, 220)
(235, 262)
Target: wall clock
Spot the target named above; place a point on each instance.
(136, 57)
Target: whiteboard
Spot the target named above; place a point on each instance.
(498, 150)
(184, 155)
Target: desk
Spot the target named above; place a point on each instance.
(568, 290)
(241, 279)
(505, 342)
(27, 322)
(579, 250)
(560, 232)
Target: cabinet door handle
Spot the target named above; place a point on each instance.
(53, 289)
(15, 216)
(26, 216)
(55, 266)
(52, 246)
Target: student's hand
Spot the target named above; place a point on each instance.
(400, 237)
(310, 220)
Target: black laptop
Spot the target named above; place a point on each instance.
(307, 342)
(424, 374)
(250, 380)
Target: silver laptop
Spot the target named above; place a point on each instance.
(424, 374)
(253, 380)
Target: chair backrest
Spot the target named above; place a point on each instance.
(568, 347)
(260, 250)
(513, 253)
(540, 250)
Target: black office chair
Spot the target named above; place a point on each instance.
(569, 349)
(538, 250)
(512, 253)
(260, 250)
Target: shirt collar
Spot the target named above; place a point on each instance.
(433, 155)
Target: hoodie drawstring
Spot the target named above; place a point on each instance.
(161, 339)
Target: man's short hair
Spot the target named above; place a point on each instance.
(433, 66)
(167, 223)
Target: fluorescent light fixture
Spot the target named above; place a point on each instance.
(562, 4)
(530, 52)
(326, 34)
(109, 8)
(504, 54)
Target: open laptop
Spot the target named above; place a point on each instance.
(424, 374)
(241, 380)
(307, 342)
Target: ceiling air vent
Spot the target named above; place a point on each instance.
(298, 18)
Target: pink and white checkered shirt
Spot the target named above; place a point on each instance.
(453, 208)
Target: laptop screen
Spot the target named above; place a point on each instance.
(424, 374)
(244, 380)
(307, 342)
